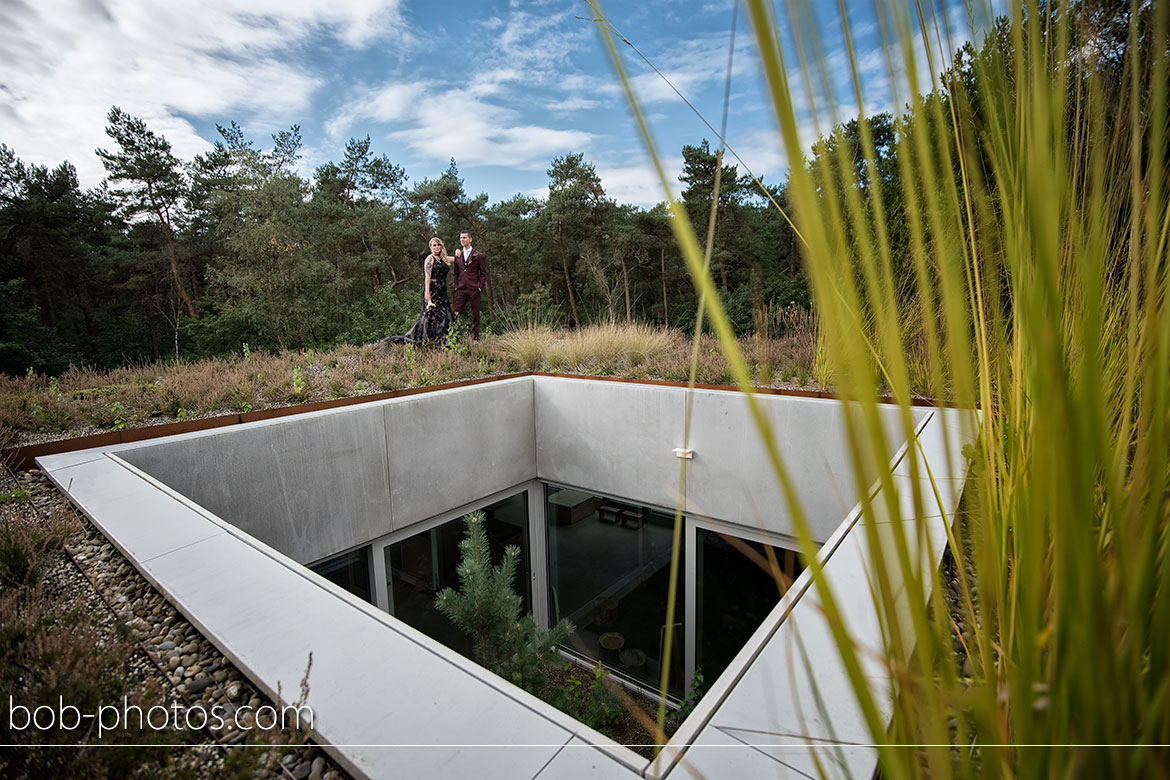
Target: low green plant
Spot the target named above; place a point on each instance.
(593, 701)
(298, 381)
(695, 693)
(13, 495)
(457, 335)
(118, 410)
(487, 608)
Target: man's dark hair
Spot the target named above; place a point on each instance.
(466, 232)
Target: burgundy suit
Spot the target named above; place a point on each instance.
(470, 275)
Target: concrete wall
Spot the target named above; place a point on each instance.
(317, 484)
(454, 447)
(619, 438)
(612, 437)
(731, 477)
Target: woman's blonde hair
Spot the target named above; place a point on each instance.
(443, 250)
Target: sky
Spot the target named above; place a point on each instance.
(500, 86)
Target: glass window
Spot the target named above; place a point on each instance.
(609, 573)
(350, 570)
(739, 582)
(422, 565)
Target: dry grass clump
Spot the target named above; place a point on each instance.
(786, 350)
(608, 348)
(528, 347)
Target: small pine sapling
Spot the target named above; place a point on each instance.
(487, 608)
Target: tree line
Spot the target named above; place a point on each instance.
(175, 258)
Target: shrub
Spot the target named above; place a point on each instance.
(593, 702)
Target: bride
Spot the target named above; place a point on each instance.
(436, 316)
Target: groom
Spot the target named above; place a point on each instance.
(469, 279)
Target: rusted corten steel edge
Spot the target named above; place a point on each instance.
(23, 458)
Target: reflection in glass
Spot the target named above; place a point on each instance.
(350, 570)
(737, 586)
(609, 573)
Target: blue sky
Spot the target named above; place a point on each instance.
(502, 86)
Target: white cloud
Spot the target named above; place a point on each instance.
(486, 116)
(66, 65)
(718, 7)
(483, 134)
(637, 183)
(763, 153)
(393, 102)
(491, 82)
(693, 67)
(571, 104)
(538, 45)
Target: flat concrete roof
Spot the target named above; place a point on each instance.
(391, 702)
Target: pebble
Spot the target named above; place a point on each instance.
(199, 672)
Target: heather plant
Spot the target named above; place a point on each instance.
(27, 543)
(52, 655)
(1007, 250)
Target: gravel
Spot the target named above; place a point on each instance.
(169, 653)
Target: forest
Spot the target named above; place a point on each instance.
(186, 259)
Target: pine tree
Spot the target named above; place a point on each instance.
(154, 182)
(489, 610)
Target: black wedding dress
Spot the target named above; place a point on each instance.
(433, 321)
